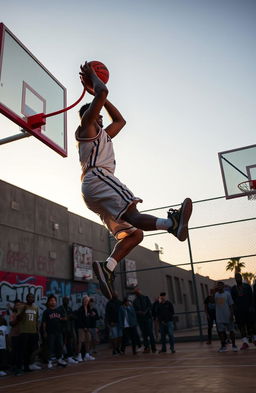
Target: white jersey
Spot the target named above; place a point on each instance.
(103, 193)
(96, 152)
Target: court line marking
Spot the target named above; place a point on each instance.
(128, 368)
(122, 380)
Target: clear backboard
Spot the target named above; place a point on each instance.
(28, 88)
(237, 166)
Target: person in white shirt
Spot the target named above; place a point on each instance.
(224, 317)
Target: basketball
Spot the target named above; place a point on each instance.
(100, 69)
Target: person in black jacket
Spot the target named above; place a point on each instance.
(165, 312)
(143, 309)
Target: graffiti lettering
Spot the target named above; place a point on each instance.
(45, 265)
(17, 286)
(19, 261)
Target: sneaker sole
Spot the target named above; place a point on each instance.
(186, 211)
(101, 278)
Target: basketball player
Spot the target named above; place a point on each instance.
(104, 194)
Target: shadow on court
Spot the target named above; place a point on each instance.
(195, 367)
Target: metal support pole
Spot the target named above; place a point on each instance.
(15, 137)
(195, 289)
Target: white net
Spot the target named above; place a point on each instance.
(249, 189)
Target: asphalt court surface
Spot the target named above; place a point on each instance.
(195, 367)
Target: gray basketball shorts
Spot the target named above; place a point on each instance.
(106, 196)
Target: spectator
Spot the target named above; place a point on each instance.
(156, 327)
(3, 346)
(93, 318)
(84, 336)
(128, 322)
(165, 312)
(143, 309)
(68, 329)
(243, 309)
(112, 321)
(15, 340)
(209, 306)
(224, 316)
(27, 319)
(52, 331)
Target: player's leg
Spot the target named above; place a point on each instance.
(104, 270)
(176, 223)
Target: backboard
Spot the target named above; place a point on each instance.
(237, 165)
(28, 88)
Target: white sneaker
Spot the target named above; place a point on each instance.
(89, 357)
(50, 365)
(34, 367)
(79, 358)
(234, 348)
(62, 362)
(223, 349)
(70, 360)
(2, 373)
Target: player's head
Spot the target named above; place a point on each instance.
(30, 298)
(137, 291)
(162, 297)
(220, 286)
(84, 108)
(52, 301)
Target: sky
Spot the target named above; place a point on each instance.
(182, 73)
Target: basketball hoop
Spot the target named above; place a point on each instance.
(248, 188)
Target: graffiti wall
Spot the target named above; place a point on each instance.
(17, 286)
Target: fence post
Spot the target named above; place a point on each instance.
(195, 289)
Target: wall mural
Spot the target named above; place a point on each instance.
(16, 285)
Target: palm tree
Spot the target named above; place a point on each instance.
(235, 264)
(248, 277)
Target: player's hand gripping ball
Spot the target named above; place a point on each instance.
(99, 68)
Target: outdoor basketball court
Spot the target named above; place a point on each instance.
(194, 367)
(32, 98)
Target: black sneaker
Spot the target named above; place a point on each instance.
(180, 220)
(105, 277)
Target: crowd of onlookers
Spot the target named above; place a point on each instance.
(62, 336)
(230, 306)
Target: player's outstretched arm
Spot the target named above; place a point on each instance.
(100, 92)
(118, 121)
